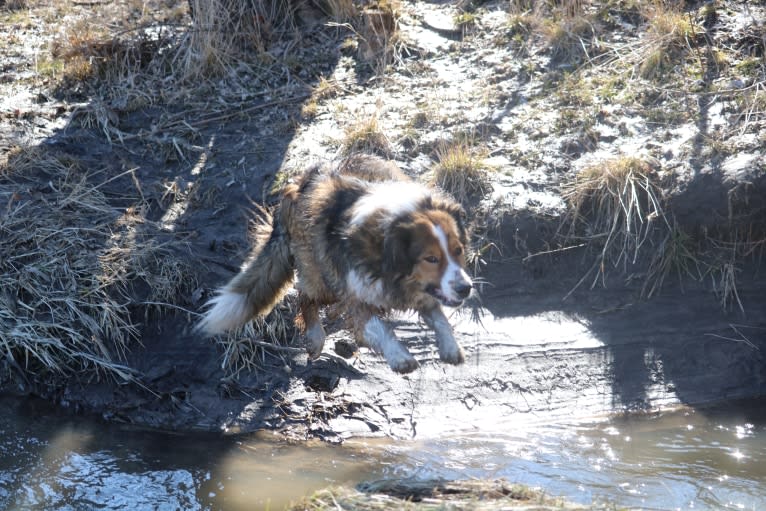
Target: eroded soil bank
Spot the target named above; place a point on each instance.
(533, 357)
(556, 329)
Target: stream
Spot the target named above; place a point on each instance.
(707, 458)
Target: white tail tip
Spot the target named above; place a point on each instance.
(226, 311)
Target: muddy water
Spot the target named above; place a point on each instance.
(688, 459)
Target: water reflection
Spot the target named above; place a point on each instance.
(710, 459)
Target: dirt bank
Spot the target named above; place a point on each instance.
(668, 312)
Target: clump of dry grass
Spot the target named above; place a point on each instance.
(13, 5)
(413, 495)
(59, 312)
(615, 203)
(569, 37)
(460, 170)
(377, 27)
(88, 50)
(725, 286)
(272, 336)
(752, 104)
(340, 10)
(324, 89)
(222, 29)
(67, 263)
(365, 135)
(676, 253)
(566, 27)
(669, 32)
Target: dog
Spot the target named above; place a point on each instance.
(365, 237)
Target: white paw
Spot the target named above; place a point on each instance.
(404, 365)
(451, 353)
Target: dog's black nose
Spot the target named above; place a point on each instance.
(463, 290)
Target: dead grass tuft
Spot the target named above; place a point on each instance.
(460, 170)
(13, 5)
(412, 495)
(380, 42)
(60, 312)
(614, 203)
(88, 50)
(569, 38)
(223, 29)
(670, 31)
(68, 262)
(725, 286)
(366, 136)
(752, 105)
(677, 253)
(340, 10)
(272, 337)
(566, 27)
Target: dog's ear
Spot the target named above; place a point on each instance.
(397, 259)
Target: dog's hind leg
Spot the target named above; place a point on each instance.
(308, 321)
(449, 350)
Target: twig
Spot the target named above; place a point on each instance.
(163, 304)
(547, 252)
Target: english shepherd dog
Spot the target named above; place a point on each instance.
(363, 236)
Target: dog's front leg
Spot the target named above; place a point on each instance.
(379, 337)
(449, 350)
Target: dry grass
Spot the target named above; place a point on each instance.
(366, 135)
(132, 47)
(670, 31)
(88, 50)
(725, 286)
(752, 104)
(566, 27)
(68, 262)
(460, 170)
(222, 29)
(272, 336)
(377, 28)
(13, 5)
(570, 38)
(341, 11)
(467, 495)
(62, 312)
(614, 203)
(678, 254)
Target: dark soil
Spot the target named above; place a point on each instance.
(543, 347)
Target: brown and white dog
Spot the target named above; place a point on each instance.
(362, 236)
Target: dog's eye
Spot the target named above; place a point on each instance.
(431, 259)
(458, 250)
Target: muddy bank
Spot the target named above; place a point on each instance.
(532, 356)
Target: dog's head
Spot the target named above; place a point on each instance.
(425, 251)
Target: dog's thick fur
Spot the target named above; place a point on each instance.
(365, 237)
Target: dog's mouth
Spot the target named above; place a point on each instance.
(436, 292)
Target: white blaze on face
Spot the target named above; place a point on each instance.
(454, 274)
(395, 198)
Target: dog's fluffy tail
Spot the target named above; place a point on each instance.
(260, 285)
